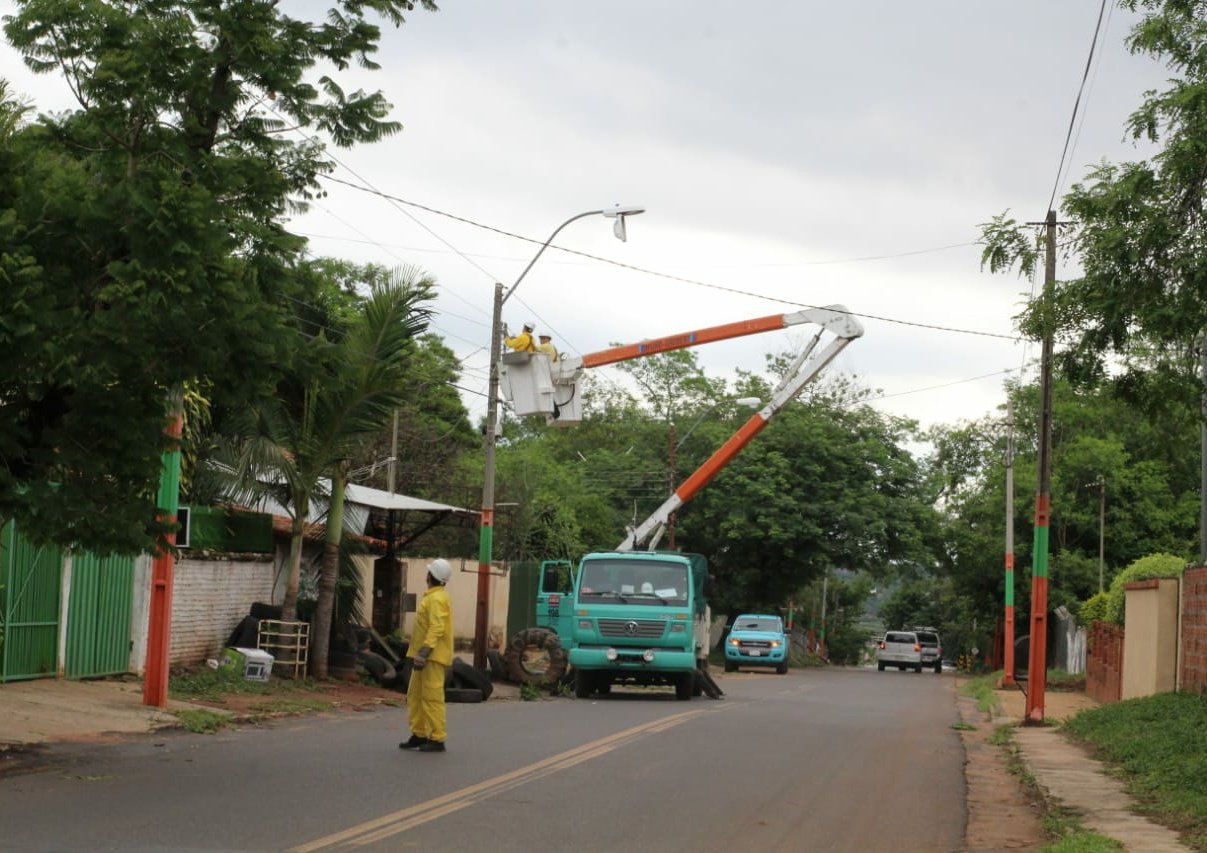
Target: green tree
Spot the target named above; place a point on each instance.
(1140, 304)
(321, 416)
(143, 245)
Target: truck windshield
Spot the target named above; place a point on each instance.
(758, 624)
(634, 582)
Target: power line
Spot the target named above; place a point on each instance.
(656, 273)
(1077, 103)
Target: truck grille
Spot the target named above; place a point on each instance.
(754, 644)
(646, 629)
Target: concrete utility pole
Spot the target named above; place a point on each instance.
(1037, 666)
(1008, 676)
(1203, 462)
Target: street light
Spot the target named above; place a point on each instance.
(674, 445)
(486, 530)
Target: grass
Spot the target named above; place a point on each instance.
(200, 721)
(1159, 743)
(210, 685)
(981, 688)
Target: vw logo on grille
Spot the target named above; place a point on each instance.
(630, 628)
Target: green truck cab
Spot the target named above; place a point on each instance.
(639, 617)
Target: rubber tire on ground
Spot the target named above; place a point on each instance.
(730, 666)
(498, 669)
(382, 670)
(462, 695)
(918, 668)
(938, 667)
(880, 666)
(782, 668)
(584, 683)
(467, 675)
(541, 638)
(684, 682)
(265, 611)
(246, 634)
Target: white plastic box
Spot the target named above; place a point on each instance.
(257, 664)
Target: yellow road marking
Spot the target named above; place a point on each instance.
(402, 820)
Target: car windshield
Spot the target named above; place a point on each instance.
(651, 582)
(928, 639)
(900, 638)
(758, 623)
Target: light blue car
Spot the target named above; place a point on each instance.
(757, 640)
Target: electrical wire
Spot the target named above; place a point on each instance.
(1076, 104)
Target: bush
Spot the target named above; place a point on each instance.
(1145, 568)
(1093, 609)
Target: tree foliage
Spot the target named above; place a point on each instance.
(143, 245)
(1138, 311)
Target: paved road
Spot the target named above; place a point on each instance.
(814, 760)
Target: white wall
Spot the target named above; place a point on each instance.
(210, 597)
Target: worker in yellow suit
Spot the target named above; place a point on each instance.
(523, 342)
(431, 653)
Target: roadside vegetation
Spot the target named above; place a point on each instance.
(1159, 743)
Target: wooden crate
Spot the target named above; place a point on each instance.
(289, 645)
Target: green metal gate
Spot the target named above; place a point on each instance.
(30, 581)
(98, 615)
(523, 582)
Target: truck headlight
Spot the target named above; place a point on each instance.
(734, 641)
(775, 644)
(648, 655)
(610, 654)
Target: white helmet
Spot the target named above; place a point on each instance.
(440, 569)
(529, 326)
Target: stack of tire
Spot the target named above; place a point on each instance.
(390, 666)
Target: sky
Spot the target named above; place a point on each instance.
(787, 155)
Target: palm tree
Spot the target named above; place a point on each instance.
(367, 386)
(291, 444)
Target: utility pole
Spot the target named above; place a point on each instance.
(1008, 675)
(1203, 461)
(670, 481)
(1101, 533)
(1037, 665)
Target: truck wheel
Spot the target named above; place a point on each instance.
(684, 683)
(730, 666)
(880, 666)
(782, 668)
(535, 656)
(918, 667)
(938, 667)
(583, 683)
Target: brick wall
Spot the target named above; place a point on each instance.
(1192, 677)
(210, 597)
(1104, 662)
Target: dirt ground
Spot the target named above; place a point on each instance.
(1002, 813)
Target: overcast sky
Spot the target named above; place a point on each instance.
(788, 154)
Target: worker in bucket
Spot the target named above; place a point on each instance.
(523, 342)
(546, 346)
(431, 655)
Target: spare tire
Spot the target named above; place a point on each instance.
(462, 694)
(535, 656)
(382, 670)
(498, 669)
(467, 675)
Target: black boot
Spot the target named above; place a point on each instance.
(432, 746)
(415, 742)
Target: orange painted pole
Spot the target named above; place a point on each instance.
(685, 340)
(159, 632)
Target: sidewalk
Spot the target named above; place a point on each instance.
(1067, 774)
(51, 709)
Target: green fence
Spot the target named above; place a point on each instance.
(98, 620)
(30, 583)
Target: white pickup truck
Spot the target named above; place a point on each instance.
(900, 649)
